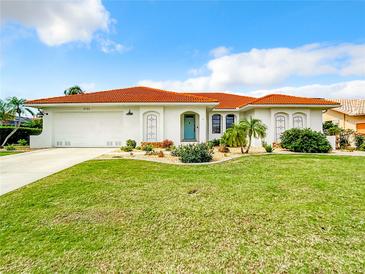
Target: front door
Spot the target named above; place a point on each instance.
(189, 128)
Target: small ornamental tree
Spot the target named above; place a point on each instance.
(235, 136)
(254, 128)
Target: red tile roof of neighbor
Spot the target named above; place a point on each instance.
(152, 95)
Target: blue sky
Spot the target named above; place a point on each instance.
(301, 48)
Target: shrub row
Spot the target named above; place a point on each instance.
(21, 133)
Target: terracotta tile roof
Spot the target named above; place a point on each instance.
(152, 95)
(226, 100)
(351, 106)
(127, 95)
(281, 99)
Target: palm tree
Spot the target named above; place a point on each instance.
(254, 128)
(16, 105)
(73, 90)
(6, 112)
(235, 136)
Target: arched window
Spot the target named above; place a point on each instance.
(151, 128)
(216, 123)
(229, 121)
(280, 126)
(298, 121)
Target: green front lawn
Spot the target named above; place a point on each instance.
(276, 213)
(10, 152)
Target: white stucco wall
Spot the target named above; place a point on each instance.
(312, 119)
(316, 120)
(173, 126)
(110, 126)
(104, 128)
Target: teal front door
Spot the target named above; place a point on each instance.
(189, 127)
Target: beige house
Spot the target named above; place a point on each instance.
(350, 115)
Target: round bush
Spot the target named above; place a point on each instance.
(305, 140)
(194, 153)
(131, 143)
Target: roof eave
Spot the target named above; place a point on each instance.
(226, 109)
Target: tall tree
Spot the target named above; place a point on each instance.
(6, 112)
(254, 128)
(235, 136)
(73, 90)
(17, 106)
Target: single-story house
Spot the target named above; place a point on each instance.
(350, 115)
(109, 118)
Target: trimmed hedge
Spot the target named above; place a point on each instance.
(305, 140)
(21, 133)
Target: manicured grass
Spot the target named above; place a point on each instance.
(5, 153)
(275, 213)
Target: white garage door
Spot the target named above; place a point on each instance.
(91, 129)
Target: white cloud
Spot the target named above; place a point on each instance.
(265, 67)
(220, 51)
(109, 46)
(349, 89)
(59, 22)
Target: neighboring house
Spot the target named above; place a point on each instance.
(350, 115)
(109, 118)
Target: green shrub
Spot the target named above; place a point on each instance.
(22, 142)
(362, 147)
(138, 148)
(268, 148)
(34, 123)
(194, 153)
(126, 148)
(147, 147)
(131, 143)
(359, 140)
(329, 128)
(10, 147)
(213, 143)
(21, 133)
(305, 140)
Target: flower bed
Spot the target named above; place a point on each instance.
(170, 159)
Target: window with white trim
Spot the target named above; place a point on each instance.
(216, 123)
(151, 128)
(298, 121)
(229, 121)
(280, 126)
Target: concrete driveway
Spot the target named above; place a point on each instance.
(21, 169)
